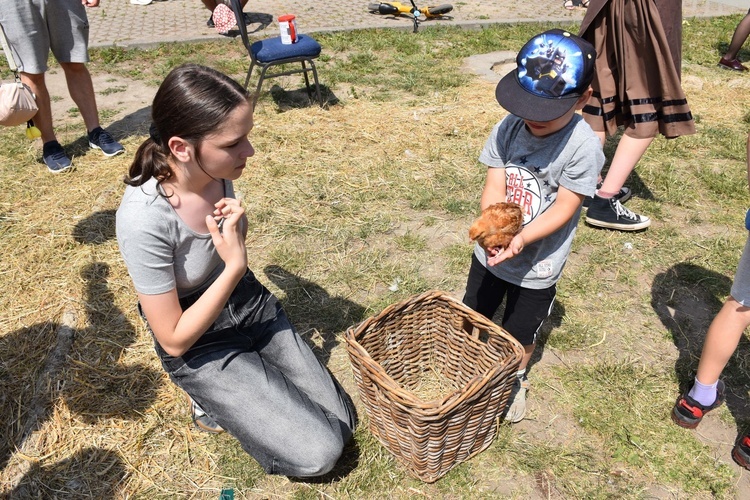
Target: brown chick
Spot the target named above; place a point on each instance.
(497, 225)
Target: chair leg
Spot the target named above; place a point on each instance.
(260, 80)
(317, 85)
(249, 72)
(307, 80)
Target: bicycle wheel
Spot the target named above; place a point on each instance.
(439, 10)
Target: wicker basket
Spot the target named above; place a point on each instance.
(432, 335)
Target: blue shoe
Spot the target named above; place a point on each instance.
(55, 158)
(101, 139)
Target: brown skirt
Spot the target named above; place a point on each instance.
(636, 84)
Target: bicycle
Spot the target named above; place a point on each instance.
(416, 13)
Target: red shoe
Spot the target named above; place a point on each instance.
(734, 64)
(741, 451)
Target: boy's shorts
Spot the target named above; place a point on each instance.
(526, 309)
(34, 27)
(741, 285)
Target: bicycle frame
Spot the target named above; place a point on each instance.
(416, 13)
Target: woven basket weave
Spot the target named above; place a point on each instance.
(391, 353)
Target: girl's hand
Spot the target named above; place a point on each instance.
(229, 240)
(497, 255)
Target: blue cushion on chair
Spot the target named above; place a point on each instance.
(272, 49)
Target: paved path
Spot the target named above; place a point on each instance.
(118, 22)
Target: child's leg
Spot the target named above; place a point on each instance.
(727, 327)
(484, 290)
(721, 341)
(525, 312)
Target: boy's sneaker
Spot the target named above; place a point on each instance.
(688, 412)
(101, 139)
(609, 213)
(622, 196)
(517, 401)
(55, 158)
(741, 451)
(201, 419)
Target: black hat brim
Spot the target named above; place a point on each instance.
(522, 103)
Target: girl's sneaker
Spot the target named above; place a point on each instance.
(741, 451)
(202, 420)
(688, 412)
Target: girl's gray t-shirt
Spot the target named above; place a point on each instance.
(160, 251)
(535, 167)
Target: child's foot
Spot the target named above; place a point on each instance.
(610, 214)
(741, 451)
(688, 412)
(517, 401)
(201, 419)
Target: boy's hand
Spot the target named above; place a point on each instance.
(497, 255)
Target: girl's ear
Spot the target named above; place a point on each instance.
(181, 149)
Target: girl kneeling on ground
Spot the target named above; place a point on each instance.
(221, 335)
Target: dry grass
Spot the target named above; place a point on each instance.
(353, 208)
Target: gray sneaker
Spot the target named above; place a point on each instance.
(202, 420)
(517, 401)
(55, 158)
(101, 139)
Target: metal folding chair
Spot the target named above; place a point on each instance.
(271, 52)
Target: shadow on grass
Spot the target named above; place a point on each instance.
(686, 297)
(90, 473)
(51, 360)
(315, 314)
(299, 98)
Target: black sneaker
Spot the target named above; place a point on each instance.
(210, 22)
(622, 196)
(609, 213)
(688, 412)
(55, 158)
(101, 139)
(741, 451)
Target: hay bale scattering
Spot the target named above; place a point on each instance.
(434, 377)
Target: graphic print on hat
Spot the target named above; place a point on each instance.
(553, 70)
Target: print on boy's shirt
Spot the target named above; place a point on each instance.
(524, 188)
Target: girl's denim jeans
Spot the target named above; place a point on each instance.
(254, 375)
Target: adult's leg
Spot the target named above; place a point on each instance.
(741, 32)
(81, 90)
(43, 117)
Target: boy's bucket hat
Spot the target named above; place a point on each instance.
(553, 70)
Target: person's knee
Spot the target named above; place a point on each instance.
(74, 69)
(318, 458)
